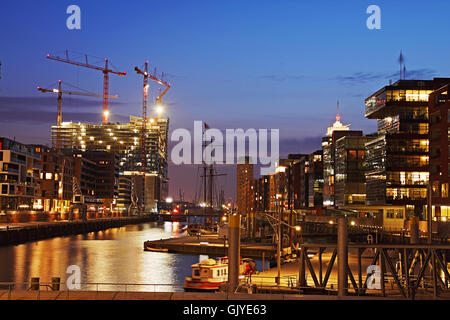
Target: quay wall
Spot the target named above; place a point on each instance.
(33, 232)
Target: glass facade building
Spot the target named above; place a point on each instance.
(397, 160)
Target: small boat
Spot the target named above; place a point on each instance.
(148, 247)
(196, 229)
(209, 274)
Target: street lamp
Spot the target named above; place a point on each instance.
(277, 227)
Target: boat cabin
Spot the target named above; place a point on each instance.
(210, 269)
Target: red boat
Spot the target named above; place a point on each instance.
(209, 274)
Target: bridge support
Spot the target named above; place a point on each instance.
(414, 230)
(234, 252)
(342, 253)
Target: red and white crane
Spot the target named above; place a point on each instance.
(106, 71)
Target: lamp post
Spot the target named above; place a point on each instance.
(277, 228)
(429, 212)
(278, 280)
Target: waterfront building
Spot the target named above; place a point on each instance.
(106, 177)
(439, 110)
(315, 180)
(349, 185)
(84, 179)
(334, 133)
(125, 189)
(125, 140)
(244, 176)
(55, 180)
(397, 171)
(19, 171)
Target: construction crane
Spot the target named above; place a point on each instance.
(160, 94)
(154, 78)
(60, 92)
(106, 71)
(144, 114)
(163, 83)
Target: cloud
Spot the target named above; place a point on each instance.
(364, 77)
(300, 145)
(35, 110)
(168, 76)
(49, 101)
(416, 74)
(281, 78)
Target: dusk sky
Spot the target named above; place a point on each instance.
(233, 64)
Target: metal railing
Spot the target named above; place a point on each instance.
(405, 270)
(97, 287)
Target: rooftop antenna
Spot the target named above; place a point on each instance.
(401, 60)
(404, 72)
(338, 117)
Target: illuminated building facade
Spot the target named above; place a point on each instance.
(122, 138)
(334, 133)
(19, 172)
(55, 180)
(397, 171)
(244, 179)
(328, 158)
(439, 109)
(350, 186)
(125, 140)
(315, 179)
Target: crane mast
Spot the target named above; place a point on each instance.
(144, 115)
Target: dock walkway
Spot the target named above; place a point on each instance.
(211, 245)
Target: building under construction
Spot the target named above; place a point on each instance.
(125, 140)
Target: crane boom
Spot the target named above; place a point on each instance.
(76, 93)
(106, 71)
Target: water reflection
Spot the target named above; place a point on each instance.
(110, 256)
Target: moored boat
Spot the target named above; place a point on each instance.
(156, 249)
(209, 274)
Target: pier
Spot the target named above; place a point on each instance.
(212, 246)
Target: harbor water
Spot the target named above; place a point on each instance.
(113, 259)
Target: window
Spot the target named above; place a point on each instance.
(435, 189)
(444, 190)
(196, 272)
(4, 189)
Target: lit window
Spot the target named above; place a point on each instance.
(444, 190)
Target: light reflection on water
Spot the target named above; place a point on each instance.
(111, 256)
